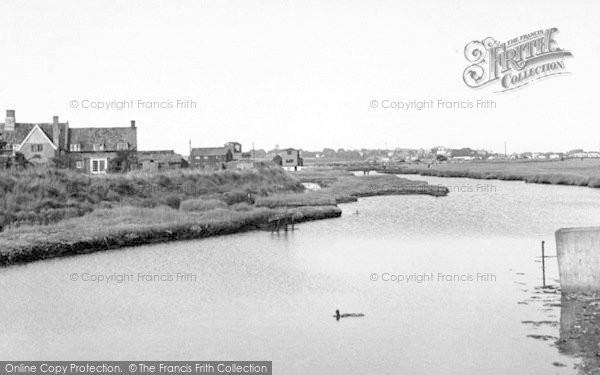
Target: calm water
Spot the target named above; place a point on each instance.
(262, 296)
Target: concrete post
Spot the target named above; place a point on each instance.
(578, 252)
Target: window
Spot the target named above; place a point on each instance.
(15, 146)
(37, 147)
(78, 164)
(98, 166)
(289, 152)
(75, 147)
(122, 146)
(98, 146)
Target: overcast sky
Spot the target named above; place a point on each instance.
(297, 74)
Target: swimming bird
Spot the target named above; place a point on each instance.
(337, 315)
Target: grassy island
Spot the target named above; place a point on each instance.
(47, 213)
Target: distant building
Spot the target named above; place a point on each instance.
(86, 149)
(91, 149)
(38, 142)
(289, 159)
(583, 154)
(443, 151)
(210, 157)
(236, 149)
(259, 154)
(160, 160)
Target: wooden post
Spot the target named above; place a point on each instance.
(543, 267)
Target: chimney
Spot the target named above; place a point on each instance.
(67, 136)
(133, 123)
(9, 124)
(55, 132)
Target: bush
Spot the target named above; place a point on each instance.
(236, 196)
(172, 201)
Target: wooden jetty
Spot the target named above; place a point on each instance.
(283, 222)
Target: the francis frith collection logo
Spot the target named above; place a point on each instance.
(515, 63)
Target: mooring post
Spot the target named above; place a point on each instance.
(543, 267)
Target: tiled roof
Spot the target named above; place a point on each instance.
(109, 137)
(22, 130)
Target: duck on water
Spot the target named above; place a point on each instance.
(337, 315)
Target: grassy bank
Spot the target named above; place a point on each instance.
(337, 186)
(567, 172)
(50, 213)
(43, 196)
(107, 229)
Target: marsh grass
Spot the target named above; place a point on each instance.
(568, 172)
(44, 196)
(339, 186)
(139, 208)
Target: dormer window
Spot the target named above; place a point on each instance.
(74, 147)
(122, 146)
(98, 146)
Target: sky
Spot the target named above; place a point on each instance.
(296, 74)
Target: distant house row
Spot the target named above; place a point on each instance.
(231, 155)
(97, 150)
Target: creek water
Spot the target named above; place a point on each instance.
(448, 285)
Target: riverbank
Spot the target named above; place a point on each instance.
(337, 186)
(108, 229)
(137, 209)
(568, 172)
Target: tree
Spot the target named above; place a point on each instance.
(466, 151)
(20, 161)
(123, 162)
(61, 161)
(328, 152)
